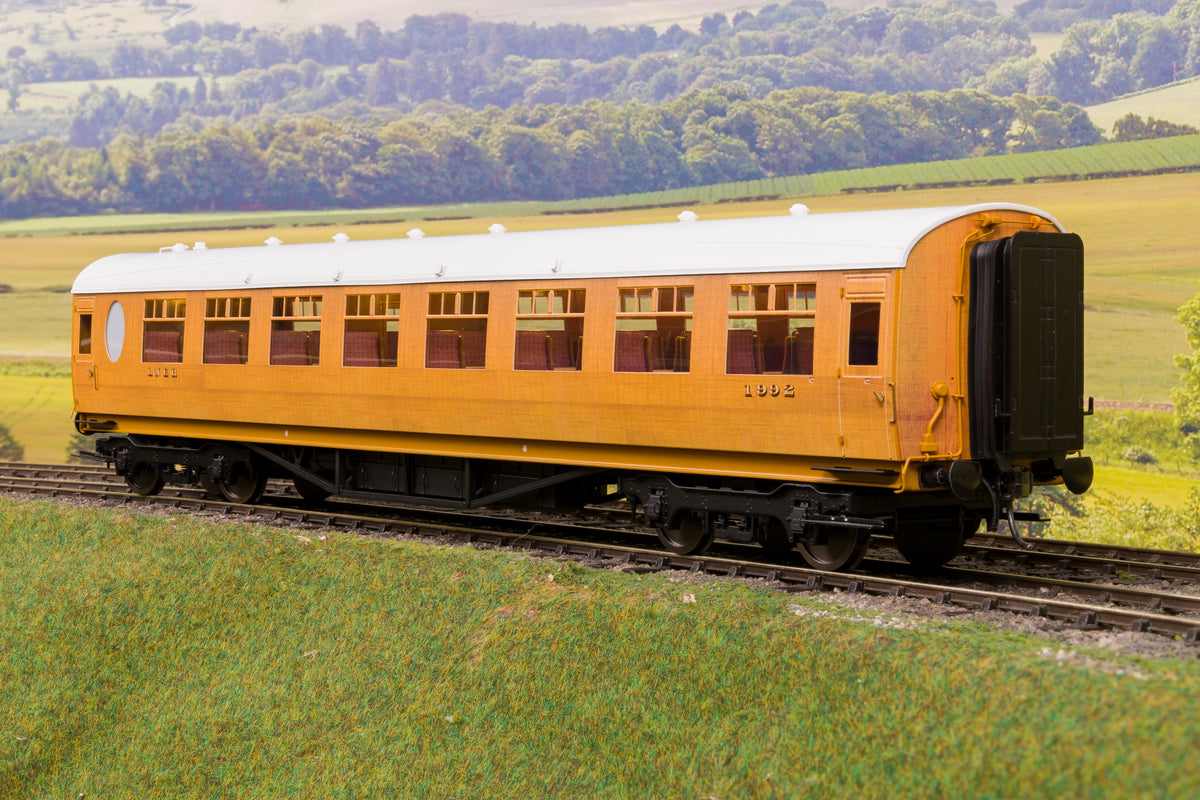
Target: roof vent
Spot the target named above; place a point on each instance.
(440, 271)
(178, 247)
(688, 216)
(416, 233)
(798, 210)
(497, 228)
(341, 238)
(273, 242)
(200, 246)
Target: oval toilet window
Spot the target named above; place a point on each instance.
(114, 331)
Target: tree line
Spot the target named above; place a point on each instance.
(548, 152)
(451, 59)
(802, 88)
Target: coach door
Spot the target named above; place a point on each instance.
(83, 372)
(866, 392)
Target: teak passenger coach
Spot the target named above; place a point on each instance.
(799, 381)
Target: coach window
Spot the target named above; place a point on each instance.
(654, 329)
(372, 330)
(85, 335)
(772, 329)
(456, 330)
(226, 330)
(296, 330)
(549, 329)
(864, 335)
(162, 331)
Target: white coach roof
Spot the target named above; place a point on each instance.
(795, 242)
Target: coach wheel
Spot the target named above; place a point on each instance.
(246, 485)
(144, 479)
(692, 535)
(839, 548)
(309, 490)
(929, 544)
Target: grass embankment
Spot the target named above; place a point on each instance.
(165, 657)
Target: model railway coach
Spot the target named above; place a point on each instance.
(800, 381)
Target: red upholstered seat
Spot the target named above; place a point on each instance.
(163, 347)
(630, 352)
(741, 357)
(474, 347)
(442, 350)
(290, 349)
(532, 350)
(362, 349)
(798, 352)
(224, 347)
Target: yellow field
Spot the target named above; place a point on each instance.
(1139, 234)
(1179, 103)
(38, 412)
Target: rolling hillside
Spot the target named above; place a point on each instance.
(1179, 103)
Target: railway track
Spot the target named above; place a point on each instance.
(1069, 584)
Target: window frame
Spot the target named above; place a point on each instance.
(651, 303)
(372, 312)
(450, 316)
(163, 315)
(287, 318)
(227, 313)
(783, 351)
(556, 353)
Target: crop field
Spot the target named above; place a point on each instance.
(95, 26)
(61, 95)
(168, 657)
(1138, 233)
(1178, 103)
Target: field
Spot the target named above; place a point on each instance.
(167, 657)
(1178, 103)
(95, 26)
(61, 95)
(1141, 268)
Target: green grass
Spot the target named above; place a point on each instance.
(163, 657)
(1152, 486)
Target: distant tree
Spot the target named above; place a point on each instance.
(712, 26)
(10, 448)
(1159, 57)
(533, 160)
(368, 38)
(14, 90)
(1186, 396)
(1131, 127)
